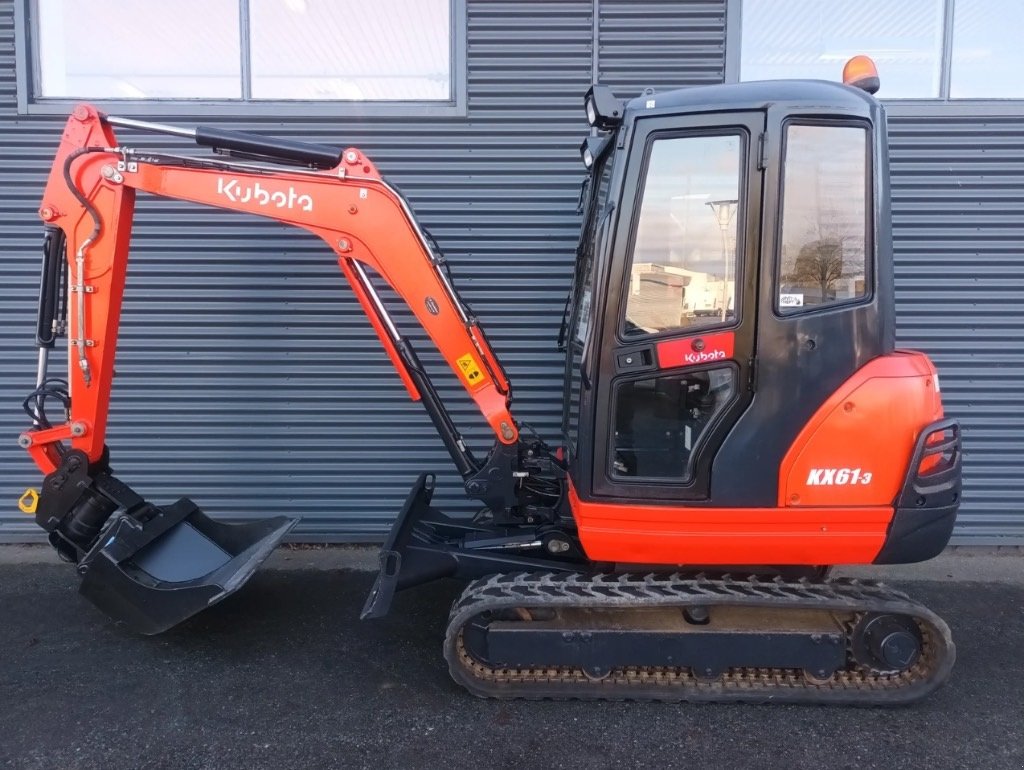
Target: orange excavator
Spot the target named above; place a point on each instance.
(737, 419)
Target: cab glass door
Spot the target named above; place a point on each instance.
(677, 355)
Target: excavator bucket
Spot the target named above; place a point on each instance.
(152, 575)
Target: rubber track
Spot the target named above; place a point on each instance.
(853, 685)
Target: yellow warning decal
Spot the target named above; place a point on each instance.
(29, 501)
(470, 370)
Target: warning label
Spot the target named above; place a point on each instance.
(470, 370)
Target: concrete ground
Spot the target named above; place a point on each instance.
(284, 675)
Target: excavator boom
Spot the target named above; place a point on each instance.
(87, 208)
(90, 197)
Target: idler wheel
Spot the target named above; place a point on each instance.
(889, 644)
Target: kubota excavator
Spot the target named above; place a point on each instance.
(737, 418)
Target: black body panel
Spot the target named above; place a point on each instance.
(927, 505)
(917, 534)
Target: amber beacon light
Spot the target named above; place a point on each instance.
(861, 72)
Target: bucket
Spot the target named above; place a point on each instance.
(151, 575)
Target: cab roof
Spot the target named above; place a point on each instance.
(797, 94)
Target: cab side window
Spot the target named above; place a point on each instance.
(660, 421)
(683, 270)
(823, 257)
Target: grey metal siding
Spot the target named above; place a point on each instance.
(958, 222)
(248, 378)
(661, 44)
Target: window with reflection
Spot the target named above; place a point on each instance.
(683, 269)
(595, 223)
(596, 226)
(308, 50)
(823, 250)
(784, 39)
(987, 53)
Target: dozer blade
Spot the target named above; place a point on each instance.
(152, 575)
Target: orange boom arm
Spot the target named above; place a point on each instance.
(90, 196)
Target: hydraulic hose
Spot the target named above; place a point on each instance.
(80, 341)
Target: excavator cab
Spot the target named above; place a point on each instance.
(736, 416)
(733, 288)
(736, 240)
(735, 269)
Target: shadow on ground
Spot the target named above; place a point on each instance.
(284, 675)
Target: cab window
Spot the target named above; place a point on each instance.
(683, 270)
(600, 203)
(661, 421)
(824, 245)
(582, 308)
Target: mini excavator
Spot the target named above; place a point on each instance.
(737, 418)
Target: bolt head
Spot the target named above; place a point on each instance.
(344, 245)
(351, 156)
(24, 441)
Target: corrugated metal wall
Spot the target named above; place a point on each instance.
(247, 375)
(249, 379)
(958, 220)
(661, 45)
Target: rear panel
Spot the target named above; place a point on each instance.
(837, 485)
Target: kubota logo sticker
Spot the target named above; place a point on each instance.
(694, 351)
(237, 192)
(470, 370)
(840, 477)
(704, 356)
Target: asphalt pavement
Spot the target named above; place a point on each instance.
(285, 675)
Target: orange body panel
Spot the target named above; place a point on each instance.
(870, 423)
(649, 534)
(351, 208)
(856, 448)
